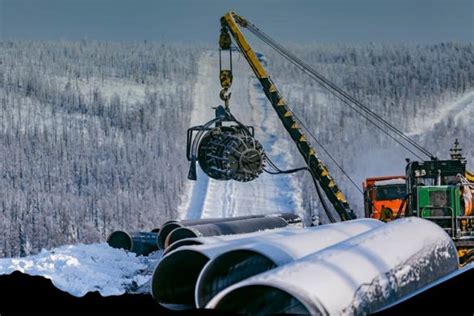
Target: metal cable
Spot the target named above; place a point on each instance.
(339, 93)
(328, 154)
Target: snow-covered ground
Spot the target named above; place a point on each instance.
(79, 269)
(267, 194)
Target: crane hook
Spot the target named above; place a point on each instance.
(225, 97)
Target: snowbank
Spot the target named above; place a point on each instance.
(79, 269)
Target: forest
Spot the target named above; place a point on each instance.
(93, 134)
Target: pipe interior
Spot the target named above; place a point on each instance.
(262, 300)
(165, 230)
(179, 234)
(227, 269)
(174, 279)
(120, 239)
(181, 243)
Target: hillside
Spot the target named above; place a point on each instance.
(92, 134)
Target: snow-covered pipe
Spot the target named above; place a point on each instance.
(243, 261)
(224, 238)
(175, 276)
(357, 276)
(169, 226)
(141, 243)
(225, 228)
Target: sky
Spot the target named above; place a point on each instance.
(306, 21)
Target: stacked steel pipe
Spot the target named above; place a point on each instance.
(357, 276)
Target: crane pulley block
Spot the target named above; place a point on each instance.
(224, 39)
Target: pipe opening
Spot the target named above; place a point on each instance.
(181, 243)
(262, 300)
(165, 230)
(174, 279)
(179, 234)
(228, 269)
(120, 239)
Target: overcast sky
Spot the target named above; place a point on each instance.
(198, 20)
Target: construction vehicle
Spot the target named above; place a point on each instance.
(226, 149)
(383, 197)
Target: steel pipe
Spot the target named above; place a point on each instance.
(357, 276)
(175, 276)
(169, 226)
(225, 228)
(224, 238)
(243, 261)
(141, 243)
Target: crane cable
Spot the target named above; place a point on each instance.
(279, 171)
(313, 177)
(338, 165)
(340, 94)
(351, 105)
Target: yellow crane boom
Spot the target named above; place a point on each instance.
(230, 23)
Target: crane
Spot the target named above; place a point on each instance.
(226, 149)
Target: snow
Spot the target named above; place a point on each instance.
(391, 181)
(461, 110)
(79, 269)
(267, 194)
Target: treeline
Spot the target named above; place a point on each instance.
(409, 85)
(91, 139)
(92, 134)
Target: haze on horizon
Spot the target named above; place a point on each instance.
(303, 21)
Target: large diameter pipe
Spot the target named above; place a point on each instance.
(141, 243)
(169, 226)
(243, 261)
(175, 276)
(225, 228)
(224, 238)
(357, 276)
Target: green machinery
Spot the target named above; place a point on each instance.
(439, 191)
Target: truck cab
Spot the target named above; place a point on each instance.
(383, 197)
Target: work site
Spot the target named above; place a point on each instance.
(249, 177)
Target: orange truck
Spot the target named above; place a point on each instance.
(383, 197)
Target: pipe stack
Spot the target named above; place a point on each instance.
(175, 277)
(357, 276)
